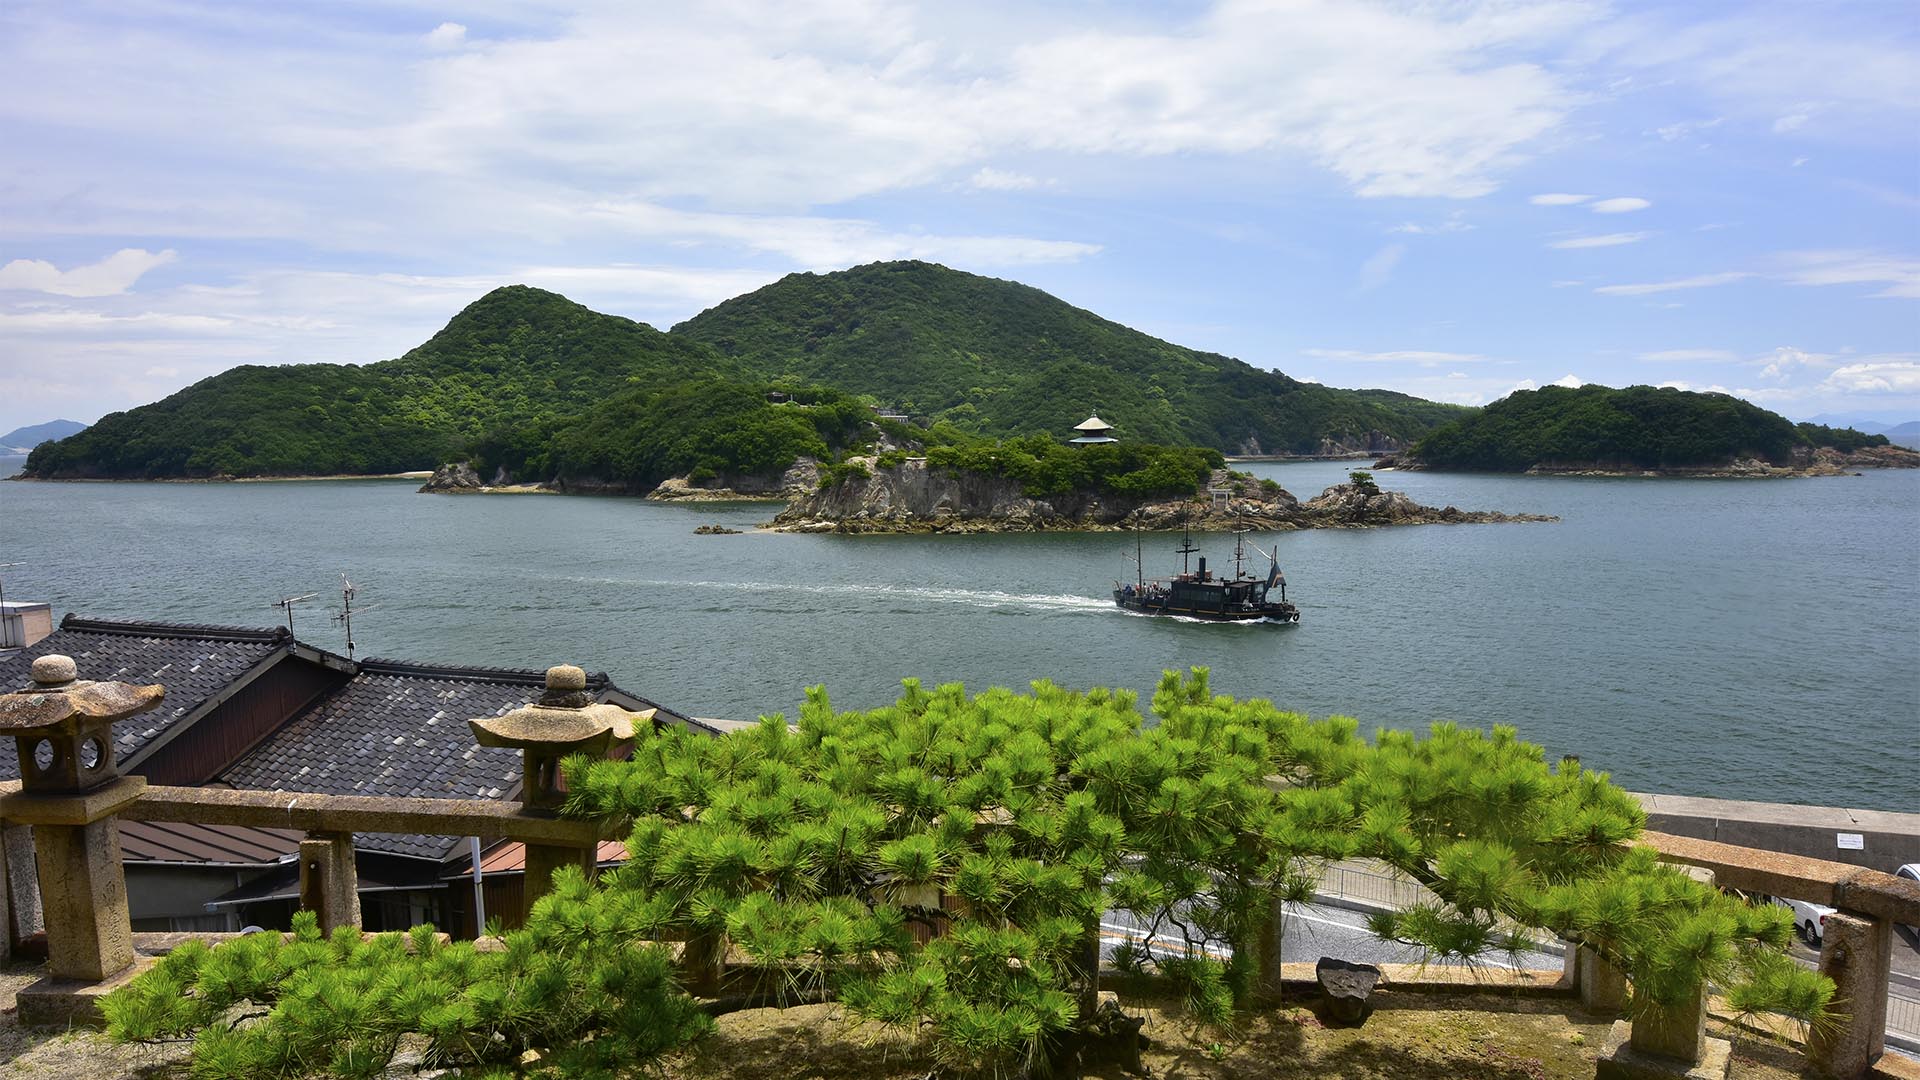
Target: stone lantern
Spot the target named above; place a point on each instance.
(565, 721)
(70, 791)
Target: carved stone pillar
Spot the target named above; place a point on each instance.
(70, 791)
(565, 721)
(329, 881)
(1855, 952)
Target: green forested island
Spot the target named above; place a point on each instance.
(1638, 428)
(531, 382)
(1003, 358)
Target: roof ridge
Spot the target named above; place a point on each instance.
(155, 628)
(383, 666)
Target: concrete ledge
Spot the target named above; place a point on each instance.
(1418, 978)
(72, 1003)
(1835, 884)
(485, 818)
(1888, 839)
(82, 809)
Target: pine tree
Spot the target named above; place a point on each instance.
(942, 864)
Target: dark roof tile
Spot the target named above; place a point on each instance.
(195, 663)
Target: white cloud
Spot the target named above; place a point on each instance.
(1681, 129)
(1558, 199)
(1608, 240)
(1700, 281)
(1570, 381)
(1784, 360)
(1622, 205)
(448, 35)
(1380, 266)
(1790, 123)
(764, 104)
(987, 178)
(1887, 377)
(1455, 222)
(1685, 356)
(1410, 356)
(111, 276)
(822, 243)
(1901, 276)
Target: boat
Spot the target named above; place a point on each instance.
(1202, 594)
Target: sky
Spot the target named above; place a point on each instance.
(1453, 198)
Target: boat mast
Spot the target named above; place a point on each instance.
(1186, 548)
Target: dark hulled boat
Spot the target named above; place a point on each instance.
(1202, 594)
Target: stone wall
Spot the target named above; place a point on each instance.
(1887, 839)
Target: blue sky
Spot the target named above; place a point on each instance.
(1452, 199)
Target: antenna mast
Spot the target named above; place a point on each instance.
(287, 606)
(348, 590)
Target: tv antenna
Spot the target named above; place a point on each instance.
(6, 633)
(287, 605)
(348, 590)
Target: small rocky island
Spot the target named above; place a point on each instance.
(910, 497)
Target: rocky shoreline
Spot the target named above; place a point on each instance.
(1824, 461)
(910, 498)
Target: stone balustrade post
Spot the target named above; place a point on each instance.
(329, 881)
(565, 721)
(70, 791)
(1856, 952)
(1603, 987)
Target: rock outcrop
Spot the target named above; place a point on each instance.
(910, 497)
(454, 478)
(799, 478)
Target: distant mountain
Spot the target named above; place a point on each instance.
(516, 357)
(1638, 427)
(1003, 358)
(23, 440)
(1907, 434)
(535, 384)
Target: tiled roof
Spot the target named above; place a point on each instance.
(195, 662)
(399, 729)
(192, 842)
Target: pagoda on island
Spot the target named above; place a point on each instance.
(1093, 430)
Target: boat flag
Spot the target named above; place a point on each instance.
(1276, 578)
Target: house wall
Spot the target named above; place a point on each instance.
(237, 724)
(24, 624)
(166, 897)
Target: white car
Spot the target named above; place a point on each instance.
(1911, 872)
(1809, 919)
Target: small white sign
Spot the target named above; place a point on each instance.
(1851, 841)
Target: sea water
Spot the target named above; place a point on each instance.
(1740, 639)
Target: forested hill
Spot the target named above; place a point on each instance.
(516, 357)
(535, 383)
(1639, 427)
(1004, 358)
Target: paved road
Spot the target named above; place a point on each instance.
(1314, 931)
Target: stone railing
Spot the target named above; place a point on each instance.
(72, 795)
(1856, 944)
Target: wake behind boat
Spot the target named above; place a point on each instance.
(1201, 594)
